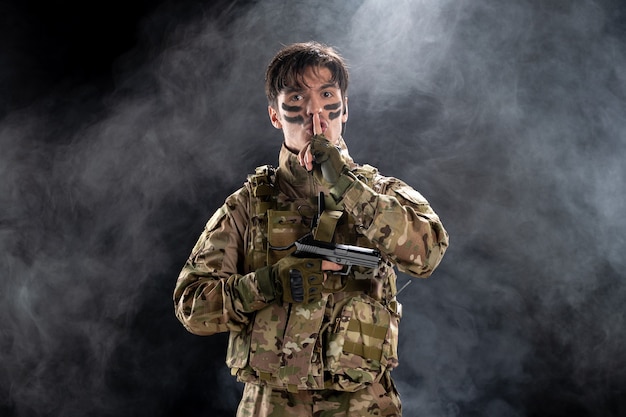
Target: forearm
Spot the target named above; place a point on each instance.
(394, 216)
(207, 304)
(199, 303)
(212, 294)
(403, 227)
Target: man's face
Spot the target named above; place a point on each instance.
(296, 106)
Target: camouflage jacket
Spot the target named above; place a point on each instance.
(349, 337)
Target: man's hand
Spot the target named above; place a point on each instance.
(305, 157)
(295, 280)
(321, 156)
(328, 158)
(330, 266)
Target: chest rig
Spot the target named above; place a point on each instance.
(276, 223)
(346, 340)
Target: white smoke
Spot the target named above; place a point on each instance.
(508, 116)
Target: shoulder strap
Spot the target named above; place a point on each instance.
(262, 188)
(263, 191)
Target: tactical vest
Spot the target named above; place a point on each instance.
(345, 340)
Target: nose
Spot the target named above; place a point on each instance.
(314, 105)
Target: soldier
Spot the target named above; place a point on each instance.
(308, 335)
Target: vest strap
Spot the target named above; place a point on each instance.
(326, 225)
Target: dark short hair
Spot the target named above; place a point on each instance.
(288, 66)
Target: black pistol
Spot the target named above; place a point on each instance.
(347, 255)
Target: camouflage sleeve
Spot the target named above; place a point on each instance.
(401, 222)
(211, 293)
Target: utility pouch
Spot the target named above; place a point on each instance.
(238, 349)
(267, 331)
(284, 347)
(283, 228)
(362, 344)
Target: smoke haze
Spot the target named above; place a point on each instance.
(509, 116)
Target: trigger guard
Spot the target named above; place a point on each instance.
(344, 271)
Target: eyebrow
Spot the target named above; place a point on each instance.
(329, 85)
(298, 89)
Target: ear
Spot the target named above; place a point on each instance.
(344, 116)
(274, 118)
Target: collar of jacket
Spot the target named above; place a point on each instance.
(295, 174)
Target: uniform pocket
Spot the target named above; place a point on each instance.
(284, 228)
(362, 343)
(268, 332)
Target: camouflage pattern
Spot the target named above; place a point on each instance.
(347, 341)
(329, 163)
(283, 340)
(362, 342)
(379, 399)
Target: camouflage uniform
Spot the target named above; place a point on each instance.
(334, 354)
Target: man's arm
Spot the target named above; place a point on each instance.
(211, 295)
(212, 292)
(395, 217)
(401, 222)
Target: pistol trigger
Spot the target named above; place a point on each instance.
(346, 270)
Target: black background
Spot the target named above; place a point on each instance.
(124, 125)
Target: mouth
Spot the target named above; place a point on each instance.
(309, 127)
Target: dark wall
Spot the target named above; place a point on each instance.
(124, 125)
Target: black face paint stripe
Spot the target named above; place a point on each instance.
(333, 106)
(291, 108)
(297, 119)
(334, 115)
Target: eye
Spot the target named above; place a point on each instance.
(296, 97)
(327, 94)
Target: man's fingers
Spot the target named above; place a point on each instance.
(330, 266)
(305, 158)
(317, 124)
